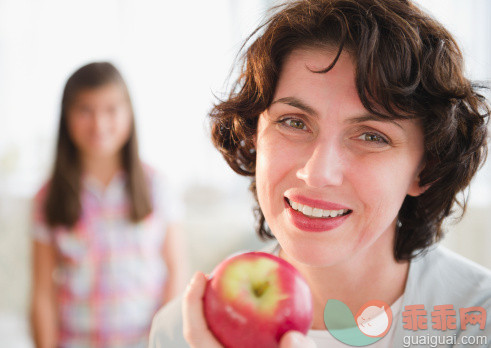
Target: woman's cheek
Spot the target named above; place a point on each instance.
(382, 187)
(272, 166)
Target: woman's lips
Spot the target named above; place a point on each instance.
(314, 224)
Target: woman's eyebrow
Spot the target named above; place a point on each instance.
(372, 117)
(297, 103)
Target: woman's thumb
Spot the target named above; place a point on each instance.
(295, 339)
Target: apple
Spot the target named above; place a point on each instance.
(252, 299)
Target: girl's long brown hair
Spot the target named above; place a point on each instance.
(62, 205)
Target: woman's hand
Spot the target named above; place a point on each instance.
(196, 331)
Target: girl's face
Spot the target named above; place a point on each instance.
(331, 177)
(100, 121)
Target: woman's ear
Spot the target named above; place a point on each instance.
(415, 189)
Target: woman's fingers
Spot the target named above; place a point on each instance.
(195, 329)
(295, 339)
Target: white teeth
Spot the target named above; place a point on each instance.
(307, 210)
(316, 212)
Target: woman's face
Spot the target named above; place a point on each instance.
(100, 121)
(330, 177)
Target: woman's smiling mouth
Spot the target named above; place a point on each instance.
(313, 218)
(316, 212)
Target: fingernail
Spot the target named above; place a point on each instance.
(195, 278)
(191, 283)
(297, 338)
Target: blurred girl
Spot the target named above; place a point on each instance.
(105, 238)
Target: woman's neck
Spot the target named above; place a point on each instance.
(102, 169)
(371, 274)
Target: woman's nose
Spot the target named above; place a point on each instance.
(324, 165)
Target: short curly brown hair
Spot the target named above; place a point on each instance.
(407, 66)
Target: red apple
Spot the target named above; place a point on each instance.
(254, 298)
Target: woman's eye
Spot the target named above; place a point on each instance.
(373, 138)
(294, 123)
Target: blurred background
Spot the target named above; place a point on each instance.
(176, 57)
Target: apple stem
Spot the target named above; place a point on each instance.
(259, 289)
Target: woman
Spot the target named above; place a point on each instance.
(359, 130)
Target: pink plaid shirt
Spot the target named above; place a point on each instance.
(110, 273)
